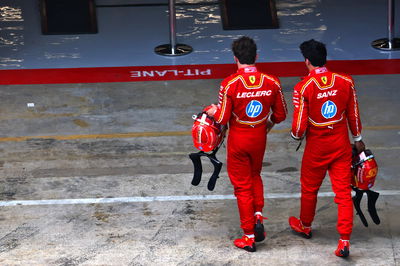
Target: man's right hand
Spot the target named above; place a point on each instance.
(211, 109)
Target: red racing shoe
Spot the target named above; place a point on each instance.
(298, 227)
(259, 232)
(343, 249)
(246, 243)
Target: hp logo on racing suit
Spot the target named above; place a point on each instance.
(254, 108)
(328, 109)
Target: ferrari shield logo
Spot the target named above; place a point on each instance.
(324, 79)
(252, 79)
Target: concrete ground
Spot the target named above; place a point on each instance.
(113, 158)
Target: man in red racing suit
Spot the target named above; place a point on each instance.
(325, 107)
(251, 102)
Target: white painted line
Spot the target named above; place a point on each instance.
(163, 198)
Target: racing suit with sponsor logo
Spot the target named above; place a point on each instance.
(247, 100)
(325, 107)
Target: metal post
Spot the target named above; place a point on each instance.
(391, 43)
(172, 49)
(172, 27)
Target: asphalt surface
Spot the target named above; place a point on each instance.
(113, 158)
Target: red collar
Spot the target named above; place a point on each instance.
(250, 69)
(318, 70)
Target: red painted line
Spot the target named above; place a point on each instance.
(185, 72)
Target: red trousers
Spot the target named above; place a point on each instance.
(330, 154)
(246, 148)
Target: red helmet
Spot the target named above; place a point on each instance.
(206, 133)
(365, 170)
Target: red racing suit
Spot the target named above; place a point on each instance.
(247, 99)
(325, 107)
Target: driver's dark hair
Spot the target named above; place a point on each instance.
(314, 51)
(245, 50)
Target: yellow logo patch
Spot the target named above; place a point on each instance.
(324, 79)
(372, 173)
(252, 79)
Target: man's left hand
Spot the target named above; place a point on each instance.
(360, 146)
(270, 125)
